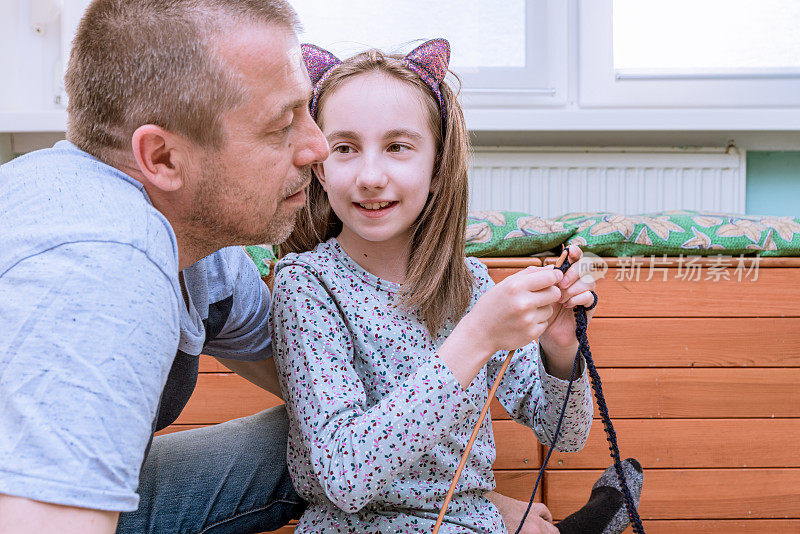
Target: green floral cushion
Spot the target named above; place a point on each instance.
(263, 256)
(510, 233)
(684, 232)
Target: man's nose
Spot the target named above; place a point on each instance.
(313, 145)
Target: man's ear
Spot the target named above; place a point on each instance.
(162, 157)
(319, 172)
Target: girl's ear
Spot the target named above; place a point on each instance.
(436, 179)
(319, 172)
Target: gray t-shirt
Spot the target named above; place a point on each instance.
(93, 315)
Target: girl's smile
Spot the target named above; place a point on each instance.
(376, 208)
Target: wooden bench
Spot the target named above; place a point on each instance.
(701, 378)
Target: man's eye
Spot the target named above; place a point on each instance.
(281, 132)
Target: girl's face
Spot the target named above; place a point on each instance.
(378, 175)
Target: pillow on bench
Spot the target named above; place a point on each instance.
(512, 233)
(671, 233)
(684, 232)
(263, 256)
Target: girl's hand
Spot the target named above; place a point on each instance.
(515, 311)
(506, 317)
(558, 341)
(539, 521)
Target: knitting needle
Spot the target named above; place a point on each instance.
(481, 417)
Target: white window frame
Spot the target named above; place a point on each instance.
(601, 86)
(548, 17)
(581, 93)
(541, 82)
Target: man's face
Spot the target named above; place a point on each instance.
(250, 190)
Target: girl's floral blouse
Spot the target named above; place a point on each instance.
(378, 423)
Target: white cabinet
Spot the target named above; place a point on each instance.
(35, 37)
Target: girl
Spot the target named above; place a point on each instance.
(386, 337)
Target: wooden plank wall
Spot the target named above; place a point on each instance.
(700, 370)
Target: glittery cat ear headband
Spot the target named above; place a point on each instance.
(429, 60)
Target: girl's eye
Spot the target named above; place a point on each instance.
(397, 147)
(343, 149)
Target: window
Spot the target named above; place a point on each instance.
(525, 65)
(711, 39)
(689, 53)
(510, 53)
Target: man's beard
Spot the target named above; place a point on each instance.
(214, 223)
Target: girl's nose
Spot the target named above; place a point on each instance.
(371, 176)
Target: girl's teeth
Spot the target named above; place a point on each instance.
(375, 206)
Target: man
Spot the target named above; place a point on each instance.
(188, 132)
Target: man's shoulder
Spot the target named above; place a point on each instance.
(62, 195)
(225, 271)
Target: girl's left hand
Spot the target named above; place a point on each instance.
(558, 339)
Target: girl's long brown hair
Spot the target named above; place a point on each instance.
(438, 283)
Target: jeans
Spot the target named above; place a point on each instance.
(226, 478)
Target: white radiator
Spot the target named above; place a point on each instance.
(552, 181)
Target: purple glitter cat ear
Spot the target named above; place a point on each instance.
(433, 56)
(430, 60)
(319, 63)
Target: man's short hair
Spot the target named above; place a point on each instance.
(136, 62)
